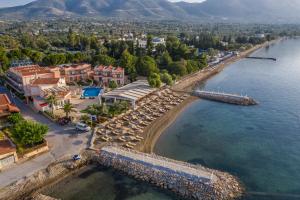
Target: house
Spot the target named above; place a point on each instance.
(76, 72)
(20, 77)
(8, 154)
(156, 41)
(6, 107)
(40, 89)
(62, 95)
(105, 74)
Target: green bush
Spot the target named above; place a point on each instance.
(29, 133)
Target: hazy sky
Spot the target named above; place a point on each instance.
(8, 3)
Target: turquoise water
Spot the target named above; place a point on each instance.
(259, 144)
(91, 92)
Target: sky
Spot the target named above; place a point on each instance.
(9, 3)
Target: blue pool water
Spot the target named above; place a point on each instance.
(91, 92)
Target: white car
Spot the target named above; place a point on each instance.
(82, 127)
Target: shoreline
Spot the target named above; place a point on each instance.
(61, 169)
(155, 130)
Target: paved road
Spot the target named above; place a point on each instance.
(63, 141)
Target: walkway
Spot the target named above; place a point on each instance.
(158, 161)
(63, 141)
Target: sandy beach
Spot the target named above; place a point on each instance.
(187, 83)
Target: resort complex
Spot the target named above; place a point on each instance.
(149, 99)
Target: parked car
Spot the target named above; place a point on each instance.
(76, 157)
(64, 121)
(82, 127)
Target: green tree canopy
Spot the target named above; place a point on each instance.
(166, 78)
(165, 60)
(29, 133)
(128, 62)
(154, 80)
(178, 68)
(112, 84)
(146, 65)
(103, 60)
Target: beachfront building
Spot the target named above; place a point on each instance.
(76, 72)
(40, 89)
(6, 107)
(105, 74)
(132, 93)
(19, 78)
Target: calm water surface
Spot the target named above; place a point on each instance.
(259, 144)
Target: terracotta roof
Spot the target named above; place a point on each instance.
(76, 66)
(31, 70)
(45, 81)
(6, 107)
(6, 147)
(109, 68)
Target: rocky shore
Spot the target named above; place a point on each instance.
(27, 187)
(202, 184)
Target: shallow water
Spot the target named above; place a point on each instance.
(259, 144)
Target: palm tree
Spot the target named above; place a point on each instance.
(96, 109)
(68, 108)
(52, 100)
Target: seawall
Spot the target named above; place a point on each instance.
(186, 180)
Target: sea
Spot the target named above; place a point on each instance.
(258, 144)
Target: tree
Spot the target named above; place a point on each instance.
(146, 65)
(166, 78)
(54, 59)
(96, 109)
(103, 60)
(160, 49)
(154, 80)
(14, 118)
(165, 60)
(4, 61)
(128, 62)
(178, 68)
(29, 133)
(150, 45)
(68, 108)
(112, 84)
(52, 101)
(118, 108)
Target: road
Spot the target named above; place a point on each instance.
(63, 142)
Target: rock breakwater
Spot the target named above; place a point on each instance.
(186, 180)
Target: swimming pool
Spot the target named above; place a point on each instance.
(91, 92)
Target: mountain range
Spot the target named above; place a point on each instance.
(260, 11)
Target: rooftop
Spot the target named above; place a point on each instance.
(6, 107)
(109, 68)
(30, 70)
(45, 81)
(6, 147)
(133, 91)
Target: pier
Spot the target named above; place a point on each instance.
(187, 180)
(225, 97)
(261, 58)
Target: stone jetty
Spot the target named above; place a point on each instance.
(187, 180)
(225, 98)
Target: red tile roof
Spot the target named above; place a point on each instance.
(6, 147)
(6, 107)
(45, 81)
(31, 70)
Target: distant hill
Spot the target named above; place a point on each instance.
(268, 11)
